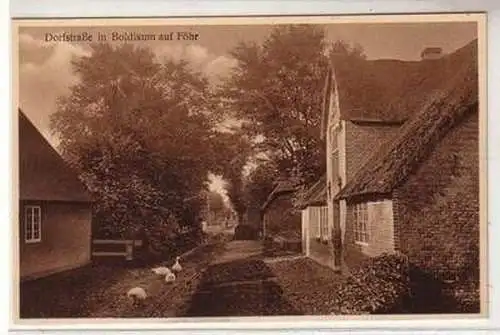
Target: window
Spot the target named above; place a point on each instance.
(360, 223)
(323, 223)
(32, 224)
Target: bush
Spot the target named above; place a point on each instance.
(431, 294)
(468, 301)
(246, 232)
(466, 297)
(166, 239)
(380, 285)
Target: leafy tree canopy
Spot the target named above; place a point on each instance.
(276, 89)
(142, 134)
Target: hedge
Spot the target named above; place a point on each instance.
(379, 285)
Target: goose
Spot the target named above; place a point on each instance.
(170, 278)
(161, 270)
(177, 267)
(137, 294)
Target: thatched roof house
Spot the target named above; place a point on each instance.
(282, 187)
(402, 158)
(54, 208)
(315, 195)
(279, 214)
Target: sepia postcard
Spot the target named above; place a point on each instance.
(249, 169)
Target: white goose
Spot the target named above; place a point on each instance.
(170, 278)
(177, 267)
(161, 270)
(137, 294)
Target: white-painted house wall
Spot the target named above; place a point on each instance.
(306, 228)
(380, 228)
(336, 127)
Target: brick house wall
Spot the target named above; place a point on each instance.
(437, 208)
(361, 140)
(380, 230)
(65, 239)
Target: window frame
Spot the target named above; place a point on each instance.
(31, 226)
(361, 229)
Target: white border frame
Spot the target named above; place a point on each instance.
(185, 8)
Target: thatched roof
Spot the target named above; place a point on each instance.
(43, 174)
(388, 90)
(315, 195)
(282, 187)
(396, 160)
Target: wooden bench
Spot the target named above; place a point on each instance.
(128, 253)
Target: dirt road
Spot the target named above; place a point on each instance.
(239, 283)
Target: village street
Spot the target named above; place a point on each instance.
(239, 283)
(224, 277)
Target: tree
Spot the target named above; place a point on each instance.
(259, 183)
(239, 150)
(141, 134)
(276, 89)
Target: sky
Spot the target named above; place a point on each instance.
(45, 67)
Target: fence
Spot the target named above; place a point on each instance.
(128, 251)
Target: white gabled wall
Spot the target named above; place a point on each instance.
(335, 123)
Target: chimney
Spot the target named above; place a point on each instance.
(431, 53)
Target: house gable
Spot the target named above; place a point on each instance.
(43, 174)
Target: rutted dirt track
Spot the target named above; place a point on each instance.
(239, 283)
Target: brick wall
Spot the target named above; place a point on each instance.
(437, 216)
(361, 141)
(380, 230)
(65, 243)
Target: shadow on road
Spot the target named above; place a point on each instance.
(239, 283)
(243, 287)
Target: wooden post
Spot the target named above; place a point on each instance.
(306, 223)
(129, 249)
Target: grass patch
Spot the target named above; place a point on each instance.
(100, 290)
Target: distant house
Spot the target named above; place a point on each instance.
(54, 209)
(402, 159)
(280, 217)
